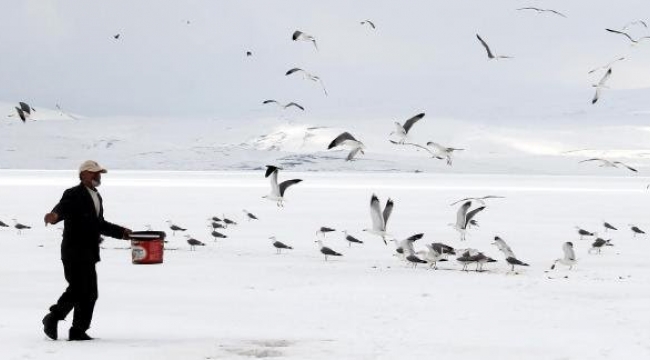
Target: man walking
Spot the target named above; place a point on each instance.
(83, 214)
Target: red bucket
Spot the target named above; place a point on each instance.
(147, 247)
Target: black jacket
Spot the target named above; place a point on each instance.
(82, 226)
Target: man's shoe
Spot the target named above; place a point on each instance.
(78, 335)
(50, 326)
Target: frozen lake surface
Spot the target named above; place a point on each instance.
(236, 299)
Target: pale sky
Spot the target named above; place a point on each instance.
(423, 56)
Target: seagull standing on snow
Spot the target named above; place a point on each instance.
(307, 76)
(20, 227)
(299, 35)
(636, 230)
(193, 242)
(379, 218)
(598, 245)
(489, 52)
(414, 259)
(347, 141)
(324, 229)
(583, 233)
(511, 259)
(250, 216)
(407, 244)
(609, 163)
(174, 227)
(433, 256)
(277, 190)
(463, 217)
(278, 245)
(217, 234)
(326, 251)
(601, 85)
(351, 239)
(402, 130)
(569, 258)
(608, 226)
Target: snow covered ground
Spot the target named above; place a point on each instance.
(236, 299)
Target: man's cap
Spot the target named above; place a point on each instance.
(92, 166)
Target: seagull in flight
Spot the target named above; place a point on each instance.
(299, 35)
(489, 52)
(569, 258)
(443, 151)
(601, 85)
(347, 141)
(370, 23)
(463, 217)
(284, 106)
(638, 22)
(307, 76)
(277, 190)
(402, 130)
(634, 41)
(24, 111)
(379, 218)
(609, 163)
(606, 66)
(478, 199)
(543, 10)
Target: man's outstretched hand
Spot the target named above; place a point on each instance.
(51, 218)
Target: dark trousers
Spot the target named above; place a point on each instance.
(80, 295)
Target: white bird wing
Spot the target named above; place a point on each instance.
(353, 153)
(602, 81)
(275, 189)
(375, 214)
(505, 249)
(569, 254)
(461, 214)
(417, 146)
